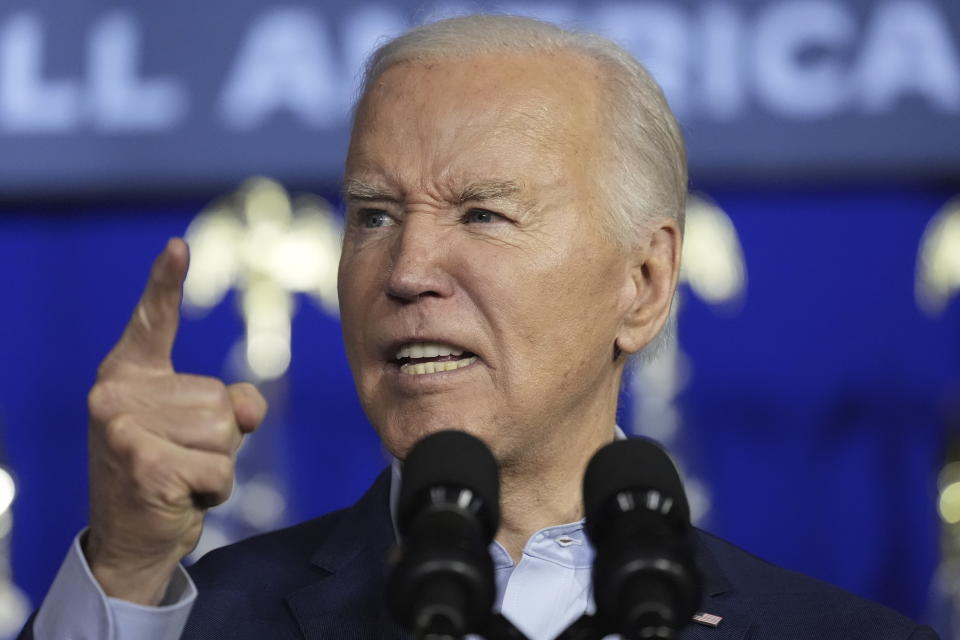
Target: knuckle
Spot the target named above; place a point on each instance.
(213, 391)
(142, 463)
(217, 429)
(219, 394)
(225, 431)
(117, 434)
(147, 467)
(224, 477)
(223, 472)
(113, 366)
(105, 368)
(102, 398)
(168, 494)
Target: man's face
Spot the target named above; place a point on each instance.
(474, 249)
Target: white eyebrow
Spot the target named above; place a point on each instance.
(488, 190)
(356, 189)
(477, 191)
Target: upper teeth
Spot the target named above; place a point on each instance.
(427, 350)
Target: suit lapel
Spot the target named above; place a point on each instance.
(717, 600)
(348, 600)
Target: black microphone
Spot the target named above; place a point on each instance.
(442, 585)
(645, 580)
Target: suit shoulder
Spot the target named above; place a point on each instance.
(250, 589)
(789, 604)
(278, 552)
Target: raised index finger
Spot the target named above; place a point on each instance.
(148, 339)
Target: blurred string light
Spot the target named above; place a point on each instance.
(713, 263)
(937, 280)
(949, 485)
(267, 247)
(8, 491)
(714, 268)
(938, 260)
(945, 600)
(14, 606)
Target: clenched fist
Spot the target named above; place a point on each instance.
(162, 445)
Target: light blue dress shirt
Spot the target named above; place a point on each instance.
(76, 608)
(550, 587)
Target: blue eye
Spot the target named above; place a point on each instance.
(374, 218)
(480, 216)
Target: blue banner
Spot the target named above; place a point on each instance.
(180, 96)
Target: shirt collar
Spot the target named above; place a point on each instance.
(545, 543)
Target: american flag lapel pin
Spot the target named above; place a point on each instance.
(707, 619)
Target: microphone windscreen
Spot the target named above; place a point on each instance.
(451, 459)
(634, 463)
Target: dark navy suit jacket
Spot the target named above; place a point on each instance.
(324, 579)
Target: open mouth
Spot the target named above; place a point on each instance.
(419, 358)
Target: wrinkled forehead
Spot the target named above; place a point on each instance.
(489, 109)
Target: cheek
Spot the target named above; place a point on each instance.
(355, 285)
(360, 272)
(545, 325)
(571, 314)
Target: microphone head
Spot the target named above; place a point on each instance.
(646, 581)
(452, 459)
(632, 464)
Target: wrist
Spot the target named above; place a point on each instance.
(128, 576)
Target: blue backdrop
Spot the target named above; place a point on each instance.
(815, 412)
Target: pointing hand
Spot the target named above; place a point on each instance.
(162, 445)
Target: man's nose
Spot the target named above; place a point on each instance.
(420, 261)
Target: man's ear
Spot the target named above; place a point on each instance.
(654, 268)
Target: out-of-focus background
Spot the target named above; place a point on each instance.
(812, 397)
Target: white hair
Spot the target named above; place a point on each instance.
(644, 176)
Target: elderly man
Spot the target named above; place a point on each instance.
(515, 197)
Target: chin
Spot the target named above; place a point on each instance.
(398, 439)
(399, 435)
